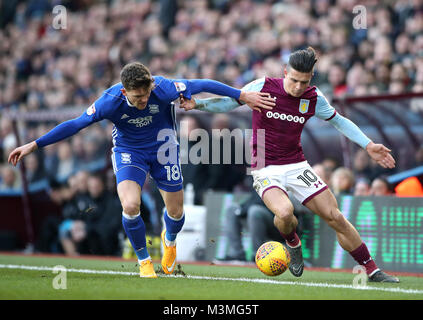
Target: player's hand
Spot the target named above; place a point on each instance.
(381, 154)
(16, 155)
(257, 100)
(186, 104)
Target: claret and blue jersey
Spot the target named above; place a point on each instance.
(136, 132)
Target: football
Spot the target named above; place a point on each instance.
(272, 258)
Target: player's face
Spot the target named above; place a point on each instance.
(296, 82)
(138, 97)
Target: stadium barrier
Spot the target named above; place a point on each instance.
(390, 227)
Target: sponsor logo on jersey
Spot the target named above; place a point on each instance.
(91, 109)
(125, 158)
(285, 117)
(141, 121)
(154, 108)
(304, 103)
(180, 86)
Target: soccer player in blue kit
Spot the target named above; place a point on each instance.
(140, 106)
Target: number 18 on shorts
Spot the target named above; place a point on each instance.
(136, 166)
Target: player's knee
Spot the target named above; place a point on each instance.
(336, 219)
(131, 207)
(175, 210)
(285, 212)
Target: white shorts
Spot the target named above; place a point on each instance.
(298, 178)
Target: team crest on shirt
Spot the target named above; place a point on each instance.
(154, 108)
(180, 86)
(304, 103)
(91, 109)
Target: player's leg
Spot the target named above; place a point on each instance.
(166, 171)
(278, 202)
(325, 205)
(174, 219)
(131, 171)
(130, 197)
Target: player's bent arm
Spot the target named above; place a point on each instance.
(216, 105)
(350, 130)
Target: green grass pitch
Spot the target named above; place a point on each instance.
(33, 277)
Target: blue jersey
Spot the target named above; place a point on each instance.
(138, 135)
(134, 128)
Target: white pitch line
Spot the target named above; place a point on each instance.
(265, 281)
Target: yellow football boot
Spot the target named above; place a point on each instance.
(147, 269)
(169, 256)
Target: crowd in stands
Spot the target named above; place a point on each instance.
(43, 68)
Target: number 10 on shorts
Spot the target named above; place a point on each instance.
(173, 172)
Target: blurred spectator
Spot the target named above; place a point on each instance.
(323, 172)
(193, 172)
(66, 165)
(380, 187)
(96, 227)
(337, 79)
(342, 181)
(330, 164)
(34, 171)
(362, 187)
(361, 165)
(9, 179)
(223, 172)
(7, 138)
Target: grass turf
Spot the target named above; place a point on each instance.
(201, 282)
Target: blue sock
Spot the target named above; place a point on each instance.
(173, 226)
(135, 230)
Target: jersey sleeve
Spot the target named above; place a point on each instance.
(324, 110)
(169, 89)
(226, 104)
(350, 130)
(96, 112)
(254, 86)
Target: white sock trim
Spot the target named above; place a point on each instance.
(139, 261)
(175, 219)
(170, 243)
(129, 217)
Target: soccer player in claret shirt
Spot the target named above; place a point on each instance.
(141, 108)
(284, 168)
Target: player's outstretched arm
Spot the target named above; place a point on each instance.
(256, 101)
(253, 98)
(16, 155)
(380, 154)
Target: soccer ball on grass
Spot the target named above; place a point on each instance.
(272, 258)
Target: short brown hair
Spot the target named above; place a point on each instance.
(135, 75)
